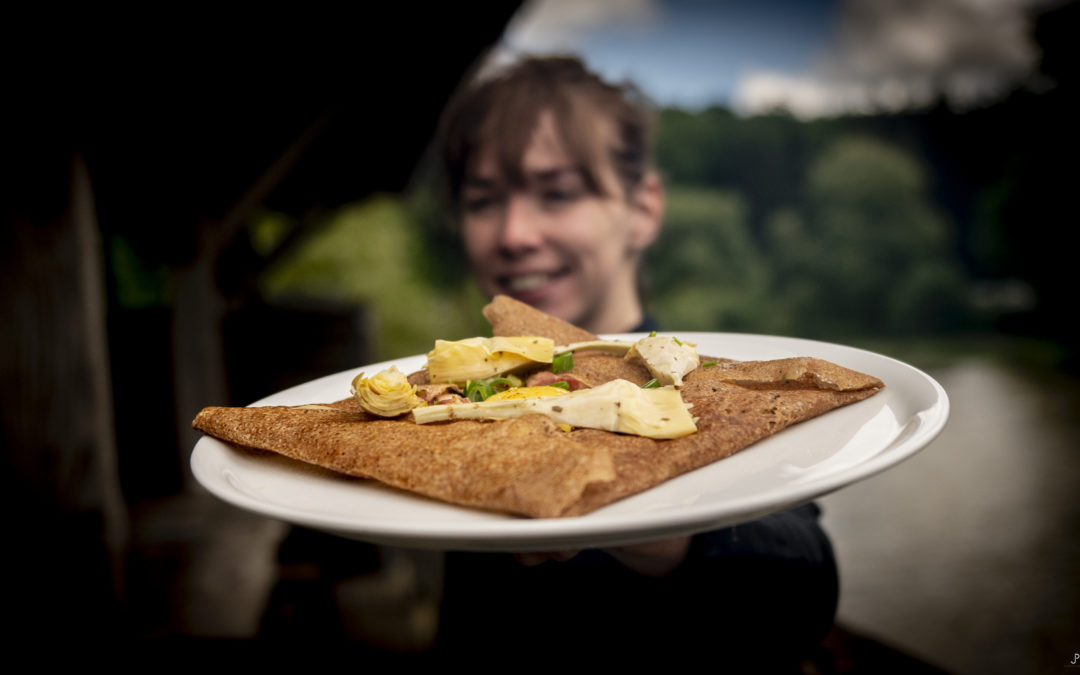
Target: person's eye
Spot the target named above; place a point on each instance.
(479, 203)
(555, 198)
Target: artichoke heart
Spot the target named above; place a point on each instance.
(387, 394)
(667, 359)
(480, 358)
(618, 406)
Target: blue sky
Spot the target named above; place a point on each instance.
(695, 52)
(814, 57)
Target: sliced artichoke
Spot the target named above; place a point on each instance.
(480, 358)
(387, 394)
(618, 406)
(539, 391)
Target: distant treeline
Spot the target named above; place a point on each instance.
(889, 224)
(927, 221)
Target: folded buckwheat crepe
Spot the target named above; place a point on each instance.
(530, 465)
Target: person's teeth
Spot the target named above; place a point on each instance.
(527, 282)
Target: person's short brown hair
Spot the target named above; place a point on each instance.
(598, 122)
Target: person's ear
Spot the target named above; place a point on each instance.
(648, 205)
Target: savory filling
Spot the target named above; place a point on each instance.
(502, 377)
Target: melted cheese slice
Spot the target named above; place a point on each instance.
(667, 359)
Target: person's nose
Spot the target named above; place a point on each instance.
(520, 231)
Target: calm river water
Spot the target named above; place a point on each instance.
(968, 554)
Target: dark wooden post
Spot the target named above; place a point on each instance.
(66, 523)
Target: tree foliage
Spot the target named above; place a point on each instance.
(800, 228)
(870, 253)
(371, 253)
(706, 272)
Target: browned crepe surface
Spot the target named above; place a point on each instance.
(529, 466)
(730, 417)
(511, 317)
(523, 466)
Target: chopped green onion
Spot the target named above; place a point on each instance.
(478, 390)
(651, 384)
(676, 340)
(561, 384)
(481, 390)
(708, 363)
(562, 362)
(503, 383)
(652, 334)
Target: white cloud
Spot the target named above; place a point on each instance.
(562, 26)
(896, 54)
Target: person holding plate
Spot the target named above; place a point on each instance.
(549, 171)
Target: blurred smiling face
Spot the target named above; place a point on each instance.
(554, 243)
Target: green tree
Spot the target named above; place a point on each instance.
(371, 253)
(706, 272)
(871, 253)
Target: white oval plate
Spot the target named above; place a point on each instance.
(794, 466)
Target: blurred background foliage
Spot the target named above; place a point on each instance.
(859, 227)
(374, 254)
(854, 228)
